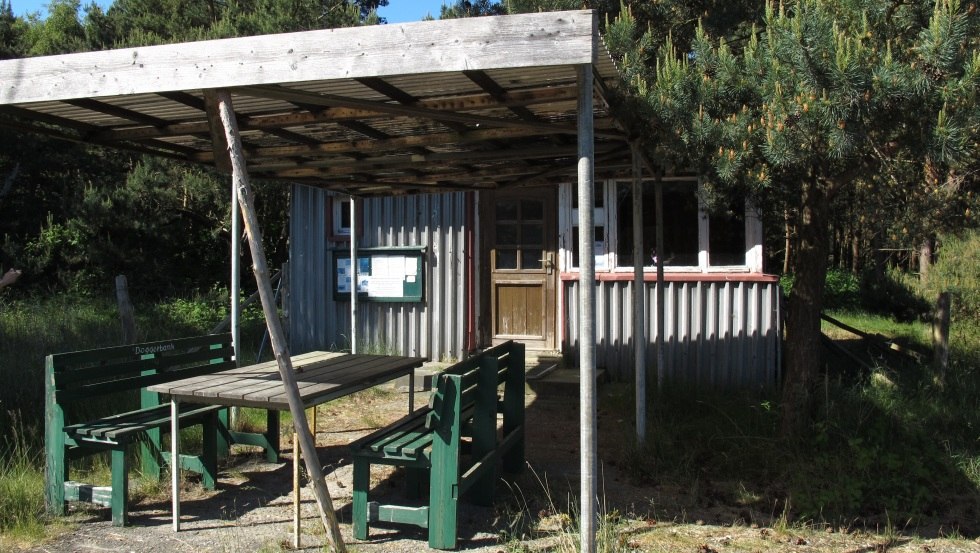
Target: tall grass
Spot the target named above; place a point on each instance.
(892, 444)
(21, 488)
(34, 327)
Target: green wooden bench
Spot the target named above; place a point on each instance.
(101, 379)
(430, 442)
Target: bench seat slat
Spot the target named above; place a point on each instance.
(124, 424)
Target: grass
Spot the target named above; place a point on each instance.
(35, 327)
(21, 491)
(892, 450)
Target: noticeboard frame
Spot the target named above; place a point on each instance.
(412, 291)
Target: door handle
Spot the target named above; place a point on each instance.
(548, 262)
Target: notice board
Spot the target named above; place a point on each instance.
(394, 274)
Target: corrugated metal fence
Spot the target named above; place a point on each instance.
(718, 334)
(434, 328)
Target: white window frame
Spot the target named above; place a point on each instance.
(340, 205)
(607, 257)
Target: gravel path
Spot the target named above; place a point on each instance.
(252, 508)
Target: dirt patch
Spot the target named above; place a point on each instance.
(252, 508)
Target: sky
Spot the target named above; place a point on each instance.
(397, 11)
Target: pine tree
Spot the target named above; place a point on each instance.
(11, 29)
(817, 103)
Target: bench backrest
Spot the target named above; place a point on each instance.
(85, 374)
(470, 387)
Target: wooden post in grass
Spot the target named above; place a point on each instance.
(940, 337)
(276, 338)
(126, 316)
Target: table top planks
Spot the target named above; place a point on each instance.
(320, 376)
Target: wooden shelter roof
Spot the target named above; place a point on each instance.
(437, 105)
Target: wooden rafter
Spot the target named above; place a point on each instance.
(328, 100)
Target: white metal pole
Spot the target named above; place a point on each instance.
(353, 274)
(236, 273)
(175, 462)
(586, 335)
(236, 284)
(639, 301)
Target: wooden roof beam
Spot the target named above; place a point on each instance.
(421, 160)
(291, 95)
(116, 111)
(382, 86)
(490, 86)
(319, 114)
(387, 145)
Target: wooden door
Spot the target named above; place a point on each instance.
(523, 269)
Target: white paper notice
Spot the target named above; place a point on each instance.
(386, 288)
(397, 266)
(411, 267)
(343, 276)
(364, 284)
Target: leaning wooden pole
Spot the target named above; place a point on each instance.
(276, 336)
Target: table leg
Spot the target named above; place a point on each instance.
(175, 461)
(296, 492)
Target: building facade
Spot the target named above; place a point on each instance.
(502, 264)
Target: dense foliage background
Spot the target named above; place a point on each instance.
(852, 124)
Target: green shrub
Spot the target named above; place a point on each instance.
(841, 289)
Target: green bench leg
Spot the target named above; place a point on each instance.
(56, 473)
(272, 434)
(210, 447)
(513, 408)
(442, 512)
(120, 485)
(362, 481)
(224, 443)
(150, 458)
(55, 462)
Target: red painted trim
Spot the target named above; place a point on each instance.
(678, 277)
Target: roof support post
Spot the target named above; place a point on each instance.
(353, 274)
(244, 194)
(586, 337)
(659, 192)
(639, 299)
(236, 276)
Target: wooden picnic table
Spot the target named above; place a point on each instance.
(320, 376)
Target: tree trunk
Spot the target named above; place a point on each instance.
(856, 253)
(805, 301)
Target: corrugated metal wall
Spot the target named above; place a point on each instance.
(719, 334)
(435, 328)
